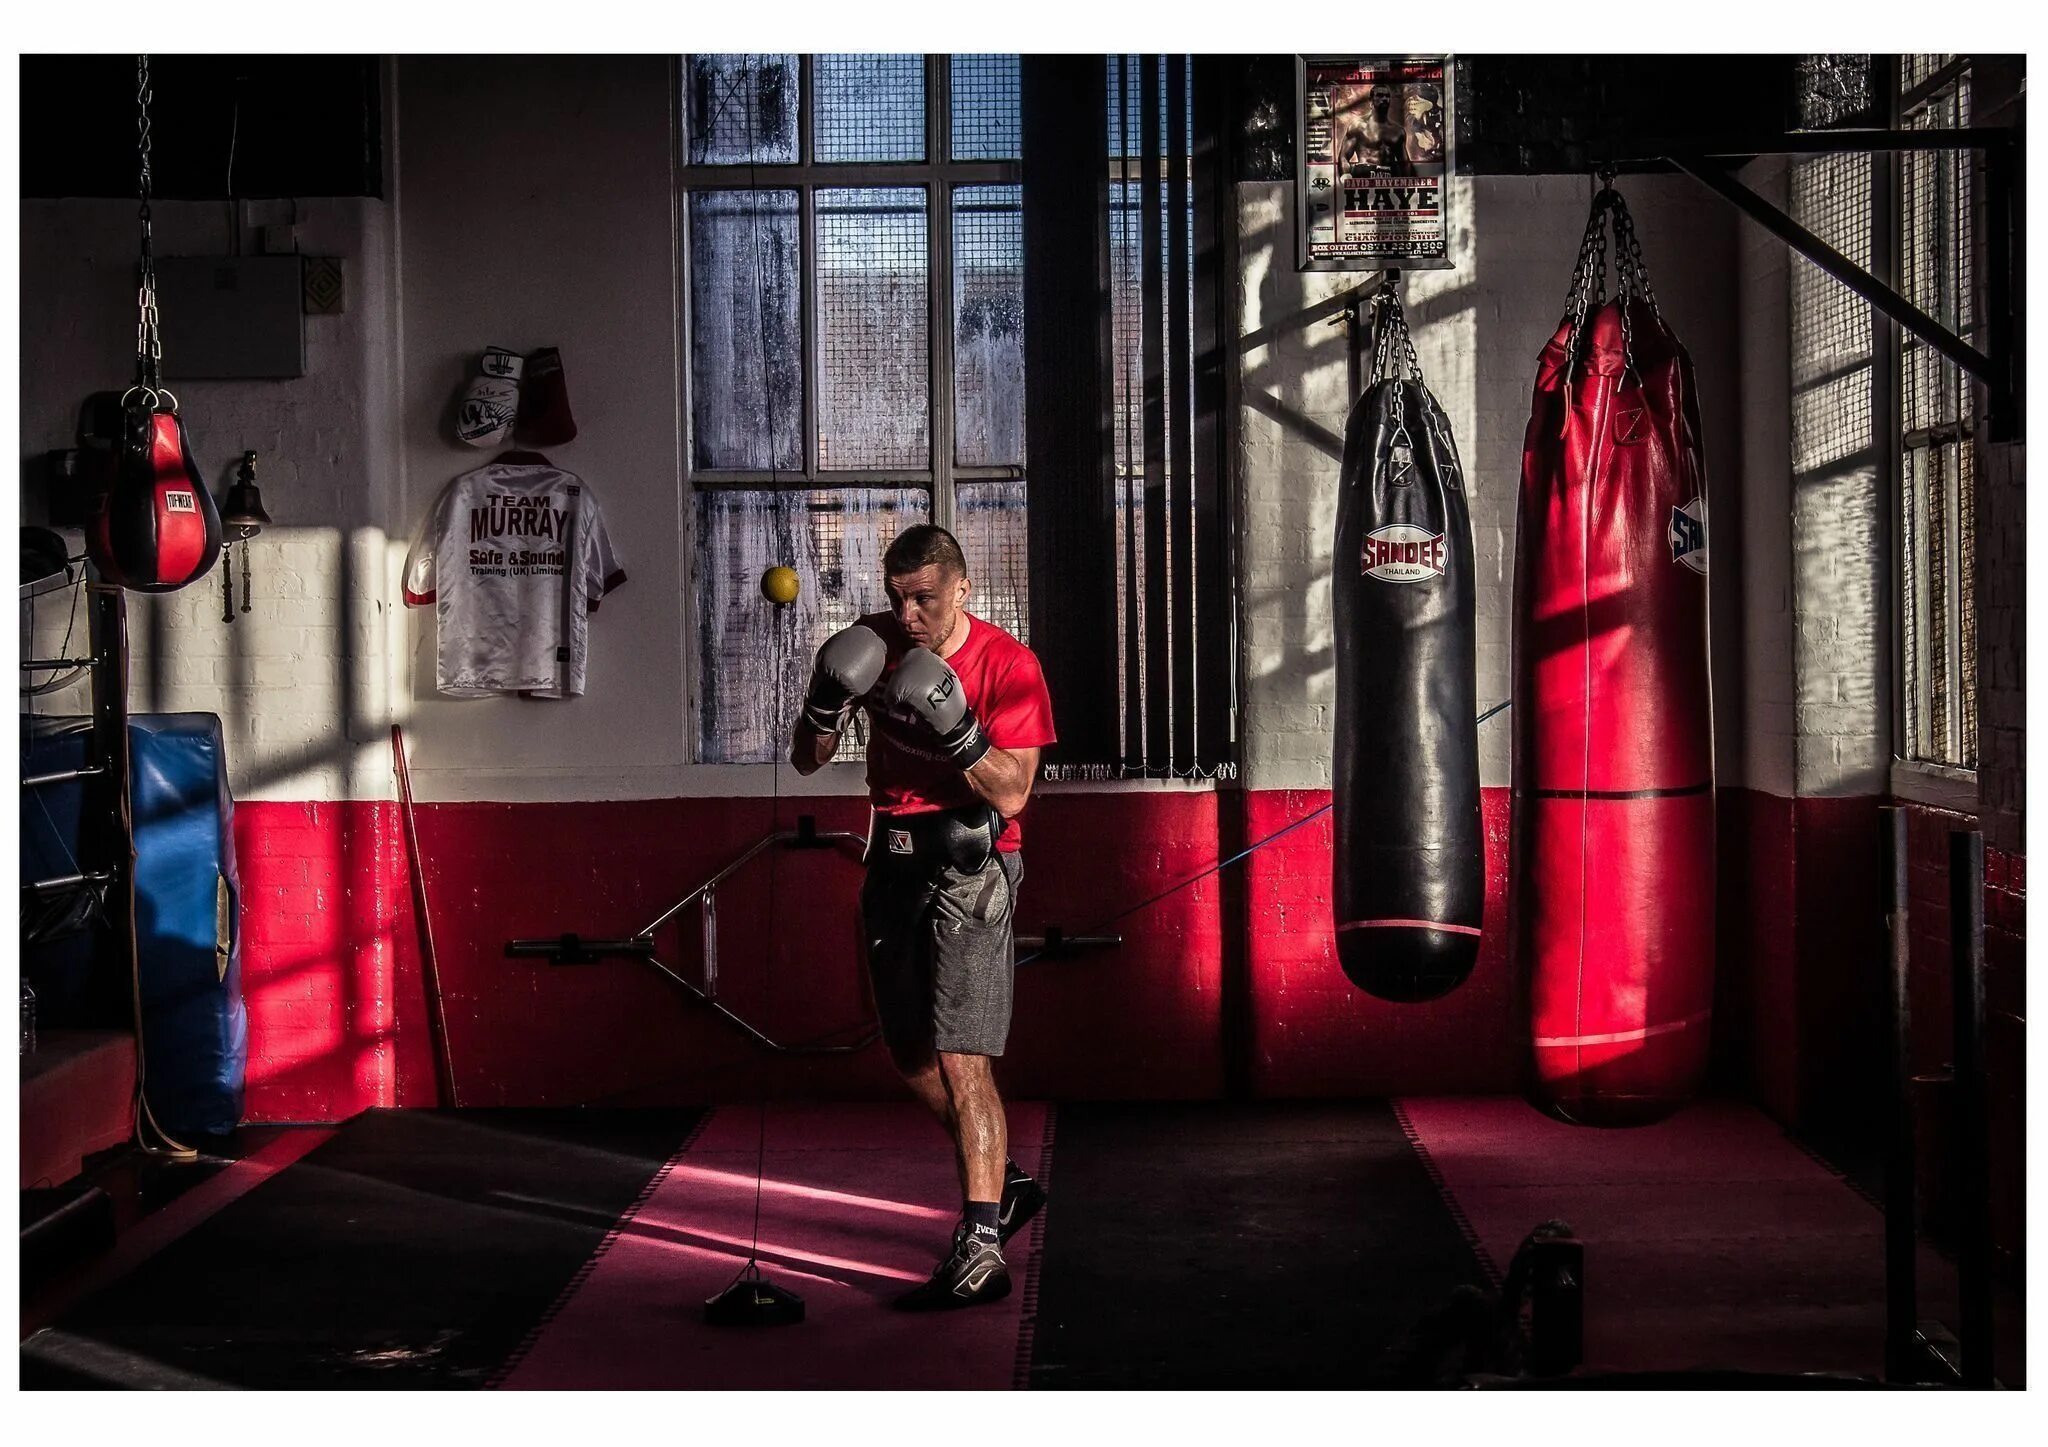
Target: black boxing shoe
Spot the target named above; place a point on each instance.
(1023, 1198)
(974, 1274)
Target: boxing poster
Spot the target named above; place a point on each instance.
(1372, 155)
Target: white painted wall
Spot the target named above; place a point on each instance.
(1768, 738)
(301, 681)
(1478, 329)
(532, 206)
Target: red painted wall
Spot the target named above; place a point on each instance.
(339, 1011)
(340, 1017)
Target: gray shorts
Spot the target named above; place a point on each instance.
(942, 956)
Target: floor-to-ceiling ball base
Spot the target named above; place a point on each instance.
(753, 1301)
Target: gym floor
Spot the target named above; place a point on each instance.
(1269, 1245)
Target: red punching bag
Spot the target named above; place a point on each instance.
(1612, 870)
(153, 525)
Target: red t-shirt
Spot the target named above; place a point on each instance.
(1003, 684)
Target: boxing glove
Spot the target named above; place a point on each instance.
(847, 667)
(923, 699)
(492, 400)
(544, 416)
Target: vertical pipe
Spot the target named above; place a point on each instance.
(1901, 1225)
(1973, 1223)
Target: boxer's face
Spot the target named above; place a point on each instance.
(927, 603)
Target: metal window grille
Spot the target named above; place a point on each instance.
(987, 113)
(1936, 427)
(1832, 424)
(851, 313)
(1836, 90)
(870, 108)
(873, 337)
(1152, 243)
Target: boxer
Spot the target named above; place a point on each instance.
(959, 713)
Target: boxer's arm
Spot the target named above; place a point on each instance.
(1003, 779)
(810, 750)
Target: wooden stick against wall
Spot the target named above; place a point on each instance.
(437, 1020)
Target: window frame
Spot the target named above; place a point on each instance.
(939, 177)
(1915, 779)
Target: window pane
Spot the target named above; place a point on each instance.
(870, 108)
(988, 326)
(755, 658)
(741, 109)
(874, 328)
(988, 518)
(988, 118)
(745, 337)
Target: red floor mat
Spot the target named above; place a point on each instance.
(857, 1203)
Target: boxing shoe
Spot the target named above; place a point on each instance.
(973, 1274)
(1023, 1198)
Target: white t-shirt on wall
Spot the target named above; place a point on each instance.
(514, 557)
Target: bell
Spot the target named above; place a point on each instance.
(244, 516)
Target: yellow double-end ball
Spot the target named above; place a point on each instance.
(779, 585)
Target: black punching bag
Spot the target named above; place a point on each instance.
(1411, 872)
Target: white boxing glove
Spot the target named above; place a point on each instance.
(492, 400)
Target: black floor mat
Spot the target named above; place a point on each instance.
(1213, 1246)
(415, 1249)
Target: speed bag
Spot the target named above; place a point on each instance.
(1410, 887)
(154, 526)
(1612, 838)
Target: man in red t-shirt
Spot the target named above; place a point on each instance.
(960, 712)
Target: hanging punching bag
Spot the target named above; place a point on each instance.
(1612, 873)
(1410, 884)
(153, 525)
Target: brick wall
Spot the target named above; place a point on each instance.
(299, 681)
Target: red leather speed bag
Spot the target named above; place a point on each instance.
(154, 526)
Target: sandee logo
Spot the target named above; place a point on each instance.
(1403, 553)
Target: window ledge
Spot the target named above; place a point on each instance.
(1935, 785)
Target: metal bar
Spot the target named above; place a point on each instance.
(708, 924)
(798, 1048)
(1885, 373)
(1841, 268)
(939, 399)
(807, 307)
(783, 836)
(62, 776)
(1180, 493)
(908, 479)
(1045, 943)
(1901, 1223)
(783, 175)
(1152, 345)
(1132, 458)
(1342, 301)
(2006, 393)
(1215, 291)
(1973, 1144)
(67, 881)
(52, 665)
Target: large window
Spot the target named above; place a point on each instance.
(1938, 559)
(854, 248)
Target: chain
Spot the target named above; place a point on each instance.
(1394, 354)
(149, 347)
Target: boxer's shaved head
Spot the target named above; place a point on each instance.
(926, 578)
(925, 546)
